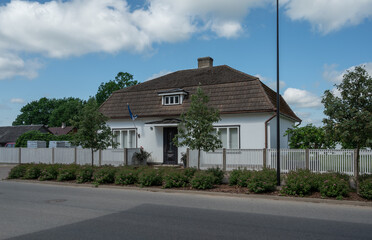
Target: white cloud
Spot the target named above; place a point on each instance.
(301, 98)
(11, 65)
(159, 74)
(331, 74)
(331, 15)
(17, 100)
(60, 29)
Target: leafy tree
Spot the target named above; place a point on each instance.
(51, 112)
(196, 128)
(310, 137)
(36, 112)
(349, 117)
(65, 112)
(122, 80)
(92, 129)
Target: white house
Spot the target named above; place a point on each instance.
(247, 109)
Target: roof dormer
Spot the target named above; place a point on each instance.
(173, 96)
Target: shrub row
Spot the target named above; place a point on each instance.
(298, 183)
(143, 176)
(256, 181)
(304, 182)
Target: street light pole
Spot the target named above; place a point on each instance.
(277, 99)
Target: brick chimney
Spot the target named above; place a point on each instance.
(205, 62)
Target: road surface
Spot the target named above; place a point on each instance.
(44, 211)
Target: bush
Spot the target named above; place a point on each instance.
(189, 173)
(105, 174)
(240, 177)
(84, 174)
(67, 172)
(202, 180)
(126, 176)
(150, 177)
(32, 172)
(49, 172)
(175, 178)
(300, 183)
(333, 186)
(365, 188)
(262, 181)
(218, 175)
(18, 171)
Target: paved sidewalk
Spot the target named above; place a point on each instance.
(4, 170)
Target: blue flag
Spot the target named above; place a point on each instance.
(133, 117)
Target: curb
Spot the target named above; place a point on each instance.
(205, 193)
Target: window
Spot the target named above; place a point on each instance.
(172, 100)
(126, 138)
(229, 137)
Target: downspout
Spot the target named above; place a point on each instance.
(266, 122)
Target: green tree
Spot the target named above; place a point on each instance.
(196, 128)
(122, 80)
(65, 112)
(349, 117)
(36, 112)
(310, 137)
(92, 131)
(51, 112)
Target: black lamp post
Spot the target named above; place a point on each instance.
(277, 99)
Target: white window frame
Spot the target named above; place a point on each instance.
(228, 134)
(169, 96)
(121, 133)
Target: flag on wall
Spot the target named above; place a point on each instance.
(133, 117)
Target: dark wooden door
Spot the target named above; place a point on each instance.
(170, 150)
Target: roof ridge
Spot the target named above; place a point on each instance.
(265, 93)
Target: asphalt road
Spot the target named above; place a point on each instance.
(40, 211)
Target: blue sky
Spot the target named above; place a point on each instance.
(59, 49)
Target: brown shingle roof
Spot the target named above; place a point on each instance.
(61, 131)
(11, 133)
(229, 90)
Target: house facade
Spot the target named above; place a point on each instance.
(247, 110)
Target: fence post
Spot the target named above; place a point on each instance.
(356, 165)
(99, 157)
(187, 157)
(264, 160)
(307, 158)
(224, 159)
(20, 155)
(52, 155)
(75, 155)
(125, 156)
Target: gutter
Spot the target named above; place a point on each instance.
(266, 122)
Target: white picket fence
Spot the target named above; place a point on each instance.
(316, 160)
(115, 157)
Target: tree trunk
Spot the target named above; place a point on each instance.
(198, 159)
(92, 157)
(357, 171)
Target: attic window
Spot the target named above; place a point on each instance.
(172, 97)
(171, 100)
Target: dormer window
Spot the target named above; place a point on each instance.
(173, 96)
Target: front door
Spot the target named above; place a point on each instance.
(170, 150)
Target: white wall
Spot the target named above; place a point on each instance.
(285, 124)
(150, 140)
(251, 126)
